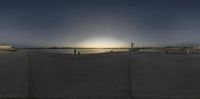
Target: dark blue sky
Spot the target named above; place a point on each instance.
(84, 23)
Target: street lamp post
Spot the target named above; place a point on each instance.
(132, 44)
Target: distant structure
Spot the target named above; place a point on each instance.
(6, 47)
(132, 45)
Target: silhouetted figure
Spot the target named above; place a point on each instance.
(188, 51)
(74, 51)
(79, 53)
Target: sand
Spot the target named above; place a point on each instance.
(99, 76)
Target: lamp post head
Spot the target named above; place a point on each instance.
(132, 44)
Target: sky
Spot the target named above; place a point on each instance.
(99, 23)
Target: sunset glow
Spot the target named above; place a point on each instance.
(102, 43)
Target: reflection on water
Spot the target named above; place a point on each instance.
(82, 51)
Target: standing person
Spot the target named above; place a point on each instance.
(188, 51)
(79, 53)
(74, 51)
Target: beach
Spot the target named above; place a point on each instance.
(112, 75)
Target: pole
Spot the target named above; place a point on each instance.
(130, 71)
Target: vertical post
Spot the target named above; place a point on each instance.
(132, 44)
(130, 71)
(29, 75)
(130, 76)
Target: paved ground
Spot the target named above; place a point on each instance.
(171, 75)
(99, 76)
(87, 76)
(13, 75)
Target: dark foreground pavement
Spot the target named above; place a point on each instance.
(100, 76)
(13, 75)
(86, 76)
(166, 76)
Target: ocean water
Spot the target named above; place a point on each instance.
(82, 51)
